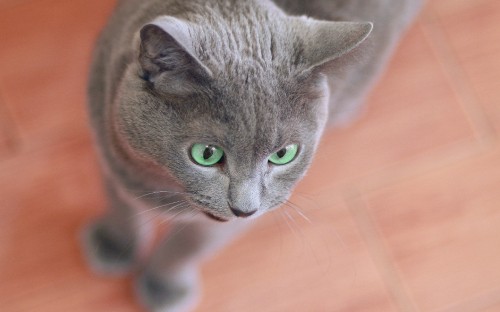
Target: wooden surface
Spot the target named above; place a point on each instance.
(404, 204)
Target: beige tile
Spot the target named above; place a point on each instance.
(4, 145)
(45, 197)
(473, 30)
(442, 230)
(45, 53)
(7, 137)
(412, 112)
(6, 4)
(494, 308)
(488, 301)
(325, 266)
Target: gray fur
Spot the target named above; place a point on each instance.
(250, 76)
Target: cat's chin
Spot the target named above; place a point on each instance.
(215, 218)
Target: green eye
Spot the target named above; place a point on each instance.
(284, 155)
(206, 155)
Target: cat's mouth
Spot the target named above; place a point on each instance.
(213, 217)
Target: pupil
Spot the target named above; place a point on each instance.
(281, 152)
(208, 152)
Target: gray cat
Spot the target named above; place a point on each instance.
(210, 111)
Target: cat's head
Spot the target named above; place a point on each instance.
(233, 110)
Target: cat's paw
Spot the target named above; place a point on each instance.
(105, 254)
(168, 294)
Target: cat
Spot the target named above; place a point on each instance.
(210, 111)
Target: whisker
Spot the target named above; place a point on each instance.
(175, 203)
(196, 212)
(309, 198)
(294, 223)
(337, 235)
(171, 235)
(278, 257)
(161, 192)
(181, 204)
(288, 223)
(273, 212)
(181, 210)
(297, 210)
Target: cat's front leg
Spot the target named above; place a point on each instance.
(113, 243)
(170, 281)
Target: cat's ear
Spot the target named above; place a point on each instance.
(327, 41)
(166, 55)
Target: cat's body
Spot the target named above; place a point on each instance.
(243, 79)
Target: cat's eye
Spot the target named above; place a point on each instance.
(284, 155)
(206, 154)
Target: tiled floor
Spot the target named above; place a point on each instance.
(404, 204)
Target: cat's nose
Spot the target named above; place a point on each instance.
(242, 214)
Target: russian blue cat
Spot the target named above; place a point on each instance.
(210, 111)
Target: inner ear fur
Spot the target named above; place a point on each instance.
(167, 58)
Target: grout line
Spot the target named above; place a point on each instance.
(379, 252)
(458, 79)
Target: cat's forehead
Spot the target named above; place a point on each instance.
(262, 104)
(246, 44)
(241, 114)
